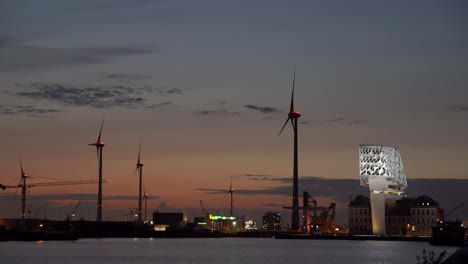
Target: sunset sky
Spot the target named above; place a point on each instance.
(206, 86)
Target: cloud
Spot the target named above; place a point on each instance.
(343, 120)
(125, 77)
(212, 191)
(354, 122)
(222, 111)
(164, 90)
(93, 96)
(459, 107)
(6, 41)
(262, 109)
(338, 119)
(161, 106)
(26, 109)
(257, 177)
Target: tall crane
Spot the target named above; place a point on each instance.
(321, 221)
(75, 208)
(23, 185)
(203, 208)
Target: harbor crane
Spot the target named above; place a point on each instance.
(70, 216)
(454, 209)
(24, 185)
(203, 208)
(322, 221)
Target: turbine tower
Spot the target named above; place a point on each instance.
(146, 202)
(23, 185)
(293, 115)
(231, 192)
(139, 168)
(99, 145)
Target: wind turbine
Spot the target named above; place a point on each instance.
(23, 186)
(231, 192)
(293, 115)
(99, 145)
(139, 167)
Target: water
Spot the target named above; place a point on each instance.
(214, 251)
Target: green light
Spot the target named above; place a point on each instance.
(219, 217)
(201, 223)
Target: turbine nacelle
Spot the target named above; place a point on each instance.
(98, 144)
(294, 114)
(140, 164)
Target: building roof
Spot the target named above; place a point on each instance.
(422, 200)
(360, 200)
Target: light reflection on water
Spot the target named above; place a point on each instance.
(214, 251)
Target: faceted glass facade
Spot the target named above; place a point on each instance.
(381, 162)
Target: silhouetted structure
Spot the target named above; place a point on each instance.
(293, 116)
(164, 221)
(272, 221)
(139, 168)
(99, 145)
(231, 192)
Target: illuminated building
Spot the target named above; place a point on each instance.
(250, 225)
(405, 217)
(164, 221)
(225, 223)
(359, 216)
(381, 169)
(272, 221)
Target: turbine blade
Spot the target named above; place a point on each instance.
(293, 126)
(19, 184)
(100, 131)
(21, 166)
(139, 151)
(292, 95)
(285, 123)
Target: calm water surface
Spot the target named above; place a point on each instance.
(214, 251)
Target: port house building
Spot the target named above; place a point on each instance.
(405, 217)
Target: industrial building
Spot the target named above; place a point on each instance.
(219, 223)
(404, 217)
(164, 221)
(272, 221)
